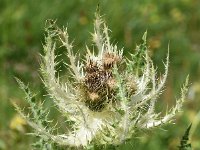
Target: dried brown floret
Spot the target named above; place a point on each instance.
(99, 81)
(109, 59)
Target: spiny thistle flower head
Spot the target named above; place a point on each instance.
(108, 96)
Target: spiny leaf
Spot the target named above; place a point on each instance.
(184, 145)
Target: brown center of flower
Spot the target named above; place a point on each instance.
(99, 82)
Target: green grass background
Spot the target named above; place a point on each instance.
(173, 22)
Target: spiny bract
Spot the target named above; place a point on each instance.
(108, 96)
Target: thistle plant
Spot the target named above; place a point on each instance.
(107, 97)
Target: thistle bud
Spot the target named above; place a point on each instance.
(109, 97)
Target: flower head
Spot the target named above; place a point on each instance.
(108, 97)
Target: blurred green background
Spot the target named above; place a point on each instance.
(173, 22)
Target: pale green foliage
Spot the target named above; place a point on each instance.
(109, 96)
